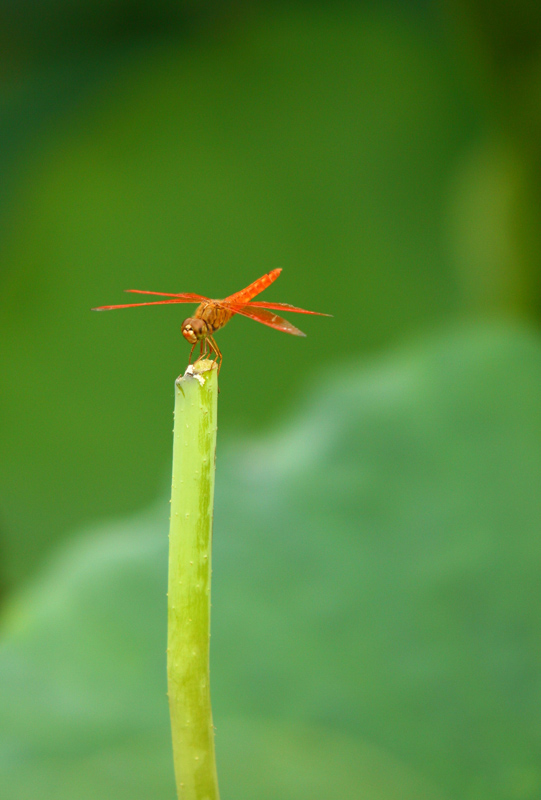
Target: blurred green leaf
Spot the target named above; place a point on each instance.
(376, 603)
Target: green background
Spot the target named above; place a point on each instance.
(376, 600)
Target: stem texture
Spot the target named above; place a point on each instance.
(190, 540)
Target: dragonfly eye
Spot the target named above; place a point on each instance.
(193, 329)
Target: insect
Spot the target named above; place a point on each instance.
(211, 315)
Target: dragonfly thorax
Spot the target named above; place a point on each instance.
(194, 329)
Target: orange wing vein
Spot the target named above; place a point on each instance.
(136, 305)
(179, 298)
(255, 288)
(286, 307)
(184, 297)
(273, 321)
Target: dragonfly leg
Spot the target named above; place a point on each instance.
(203, 350)
(216, 349)
(191, 352)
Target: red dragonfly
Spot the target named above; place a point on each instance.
(211, 315)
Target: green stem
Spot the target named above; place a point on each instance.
(190, 540)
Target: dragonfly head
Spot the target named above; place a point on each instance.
(194, 329)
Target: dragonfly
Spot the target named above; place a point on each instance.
(211, 315)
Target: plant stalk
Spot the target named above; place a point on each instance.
(190, 540)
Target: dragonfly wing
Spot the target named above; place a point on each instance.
(255, 288)
(286, 307)
(268, 318)
(181, 298)
(136, 305)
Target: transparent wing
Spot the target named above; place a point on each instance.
(255, 288)
(182, 298)
(267, 318)
(286, 307)
(136, 305)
